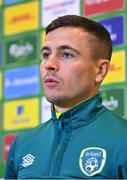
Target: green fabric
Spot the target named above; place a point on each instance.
(57, 146)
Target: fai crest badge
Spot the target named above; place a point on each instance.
(92, 160)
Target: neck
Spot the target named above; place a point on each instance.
(60, 109)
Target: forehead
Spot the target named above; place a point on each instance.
(67, 35)
(66, 30)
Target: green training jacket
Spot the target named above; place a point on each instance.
(87, 142)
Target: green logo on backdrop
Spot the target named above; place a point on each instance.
(0, 114)
(0, 54)
(21, 49)
(1, 85)
(113, 99)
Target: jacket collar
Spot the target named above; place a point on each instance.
(81, 114)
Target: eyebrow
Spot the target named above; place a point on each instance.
(45, 48)
(63, 47)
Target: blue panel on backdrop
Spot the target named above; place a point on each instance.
(11, 1)
(21, 82)
(115, 26)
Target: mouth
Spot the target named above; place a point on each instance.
(51, 82)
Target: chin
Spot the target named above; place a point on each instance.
(53, 100)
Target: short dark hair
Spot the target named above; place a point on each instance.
(100, 41)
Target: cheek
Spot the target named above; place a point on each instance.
(84, 76)
(76, 78)
(81, 73)
(41, 66)
(72, 76)
(42, 70)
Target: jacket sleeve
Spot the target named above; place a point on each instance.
(10, 172)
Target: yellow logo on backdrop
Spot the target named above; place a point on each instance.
(20, 114)
(117, 68)
(21, 18)
(0, 85)
(0, 2)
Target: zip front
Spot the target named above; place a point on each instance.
(60, 143)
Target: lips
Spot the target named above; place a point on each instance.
(51, 82)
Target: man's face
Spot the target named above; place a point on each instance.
(68, 73)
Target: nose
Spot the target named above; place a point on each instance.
(51, 64)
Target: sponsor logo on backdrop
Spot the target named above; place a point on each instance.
(21, 49)
(20, 114)
(115, 26)
(45, 110)
(113, 99)
(55, 8)
(117, 69)
(20, 18)
(8, 139)
(21, 82)
(20, 110)
(1, 85)
(1, 54)
(92, 7)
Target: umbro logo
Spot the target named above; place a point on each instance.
(27, 160)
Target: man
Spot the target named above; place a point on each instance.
(83, 139)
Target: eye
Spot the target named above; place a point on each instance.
(67, 55)
(45, 55)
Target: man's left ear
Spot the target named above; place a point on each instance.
(103, 67)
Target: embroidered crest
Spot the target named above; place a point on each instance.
(28, 160)
(92, 160)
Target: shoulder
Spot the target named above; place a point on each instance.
(114, 117)
(114, 122)
(34, 133)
